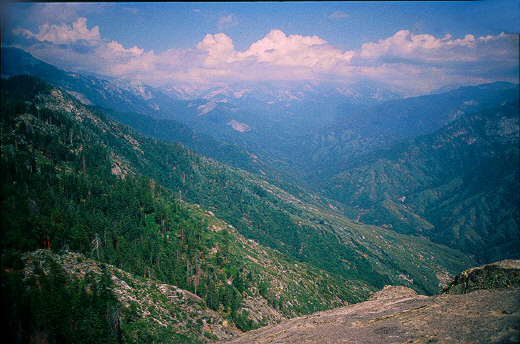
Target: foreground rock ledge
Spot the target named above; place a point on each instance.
(399, 315)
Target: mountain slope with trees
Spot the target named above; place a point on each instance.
(306, 227)
(139, 111)
(456, 186)
(64, 189)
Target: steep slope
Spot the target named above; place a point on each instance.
(169, 130)
(399, 315)
(138, 309)
(304, 226)
(64, 189)
(140, 106)
(456, 186)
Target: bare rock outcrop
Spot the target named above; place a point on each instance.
(399, 315)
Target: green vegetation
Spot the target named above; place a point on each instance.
(74, 180)
(174, 131)
(59, 192)
(49, 307)
(457, 186)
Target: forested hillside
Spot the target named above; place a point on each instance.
(192, 173)
(82, 182)
(170, 130)
(457, 186)
(276, 214)
(66, 190)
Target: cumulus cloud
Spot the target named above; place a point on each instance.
(418, 62)
(294, 50)
(433, 61)
(276, 48)
(79, 48)
(63, 34)
(427, 48)
(118, 48)
(219, 49)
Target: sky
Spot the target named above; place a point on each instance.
(414, 46)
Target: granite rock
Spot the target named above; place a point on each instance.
(487, 311)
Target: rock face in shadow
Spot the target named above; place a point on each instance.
(399, 315)
(504, 274)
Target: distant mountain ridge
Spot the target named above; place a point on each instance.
(303, 131)
(134, 103)
(394, 121)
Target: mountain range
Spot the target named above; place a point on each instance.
(257, 203)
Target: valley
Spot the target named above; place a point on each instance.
(193, 217)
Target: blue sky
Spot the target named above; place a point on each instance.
(415, 45)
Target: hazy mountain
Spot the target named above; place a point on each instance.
(311, 131)
(272, 114)
(136, 104)
(457, 186)
(356, 133)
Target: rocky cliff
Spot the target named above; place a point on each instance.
(486, 309)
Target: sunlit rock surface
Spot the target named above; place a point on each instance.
(398, 315)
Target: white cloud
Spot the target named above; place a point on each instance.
(338, 15)
(54, 13)
(63, 34)
(118, 48)
(218, 47)
(417, 62)
(295, 50)
(424, 47)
